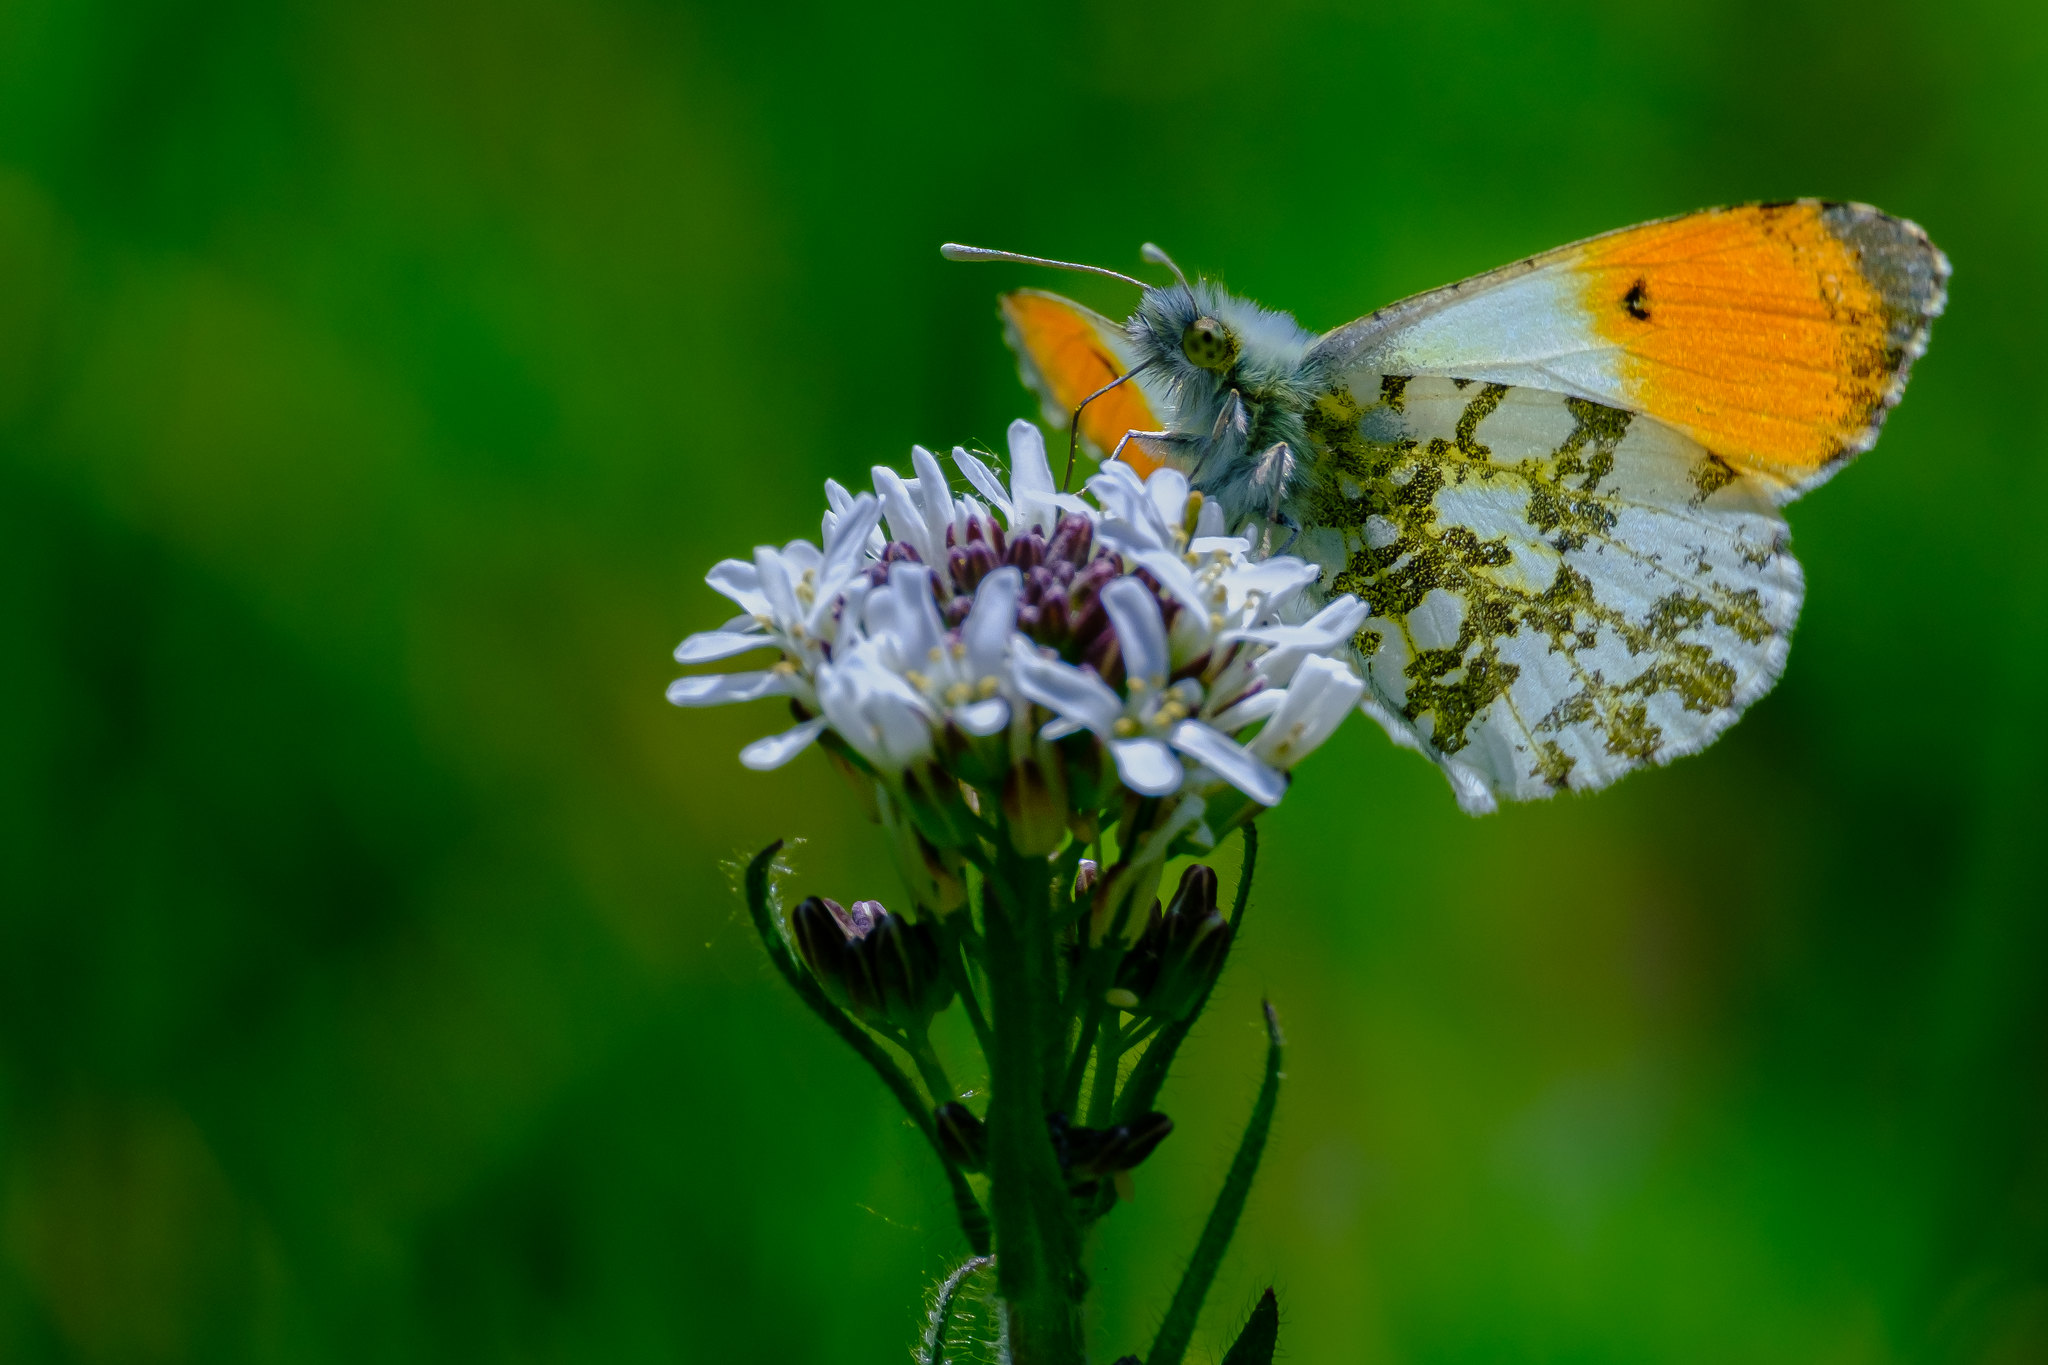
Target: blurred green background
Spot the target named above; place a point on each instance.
(377, 381)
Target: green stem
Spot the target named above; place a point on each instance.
(963, 982)
(1038, 1239)
(974, 1223)
(919, 1046)
(1109, 1059)
(1091, 1020)
(1179, 1327)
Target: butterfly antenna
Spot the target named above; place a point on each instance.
(1152, 252)
(953, 251)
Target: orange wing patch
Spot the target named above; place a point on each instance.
(1777, 335)
(1066, 352)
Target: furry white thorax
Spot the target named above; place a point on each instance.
(1224, 424)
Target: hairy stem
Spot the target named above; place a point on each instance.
(1038, 1241)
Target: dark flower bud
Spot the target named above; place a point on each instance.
(1105, 655)
(1169, 605)
(879, 968)
(1088, 1155)
(962, 1137)
(956, 611)
(982, 560)
(1027, 551)
(1178, 956)
(1052, 620)
(1071, 539)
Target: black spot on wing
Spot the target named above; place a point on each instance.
(1636, 301)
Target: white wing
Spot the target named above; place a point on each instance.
(1560, 591)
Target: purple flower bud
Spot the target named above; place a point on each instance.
(1027, 551)
(1071, 539)
(880, 968)
(1053, 621)
(1169, 605)
(1105, 655)
(1181, 952)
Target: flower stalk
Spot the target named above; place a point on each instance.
(1043, 700)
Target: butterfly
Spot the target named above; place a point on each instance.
(1556, 486)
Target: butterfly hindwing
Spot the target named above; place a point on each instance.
(1559, 591)
(1777, 336)
(1066, 352)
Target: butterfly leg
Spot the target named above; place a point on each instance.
(1171, 438)
(1293, 531)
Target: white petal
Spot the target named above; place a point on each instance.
(988, 627)
(1214, 750)
(984, 479)
(1258, 706)
(934, 496)
(1140, 629)
(775, 583)
(899, 505)
(983, 717)
(1327, 632)
(1030, 472)
(1321, 695)
(741, 582)
(1123, 496)
(1275, 580)
(799, 556)
(1146, 766)
(766, 754)
(1068, 692)
(1176, 577)
(716, 689)
(707, 646)
(920, 627)
(1168, 489)
(1218, 544)
(847, 545)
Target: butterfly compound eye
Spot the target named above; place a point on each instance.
(1209, 344)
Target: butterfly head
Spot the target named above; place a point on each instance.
(1203, 340)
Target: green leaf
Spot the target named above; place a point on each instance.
(1179, 1327)
(1261, 1336)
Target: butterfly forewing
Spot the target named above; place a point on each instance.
(1065, 352)
(1776, 335)
(1560, 590)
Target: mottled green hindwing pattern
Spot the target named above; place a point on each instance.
(1559, 591)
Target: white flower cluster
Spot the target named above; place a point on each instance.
(968, 644)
